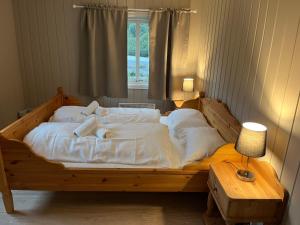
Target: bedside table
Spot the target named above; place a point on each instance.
(240, 202)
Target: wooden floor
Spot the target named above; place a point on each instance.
(36, 208)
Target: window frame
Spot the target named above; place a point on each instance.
(138, 18)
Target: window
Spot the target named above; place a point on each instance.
(138, 51)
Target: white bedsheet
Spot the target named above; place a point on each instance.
(164, 120)
(107, 115)
(128, 115)
(139, 144)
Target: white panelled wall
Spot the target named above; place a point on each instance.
(249, 58)
(11, 93)
(249, 54)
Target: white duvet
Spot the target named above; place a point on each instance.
(139, 144)
(177, 140)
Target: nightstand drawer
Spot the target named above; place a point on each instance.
(218, 193)
(241, 208)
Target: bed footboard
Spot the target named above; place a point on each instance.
(14, 152)
(4, 188)
(21, 169)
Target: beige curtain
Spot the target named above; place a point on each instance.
(103, 52)
(169, 36)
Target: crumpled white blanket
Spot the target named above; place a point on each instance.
(131, 144)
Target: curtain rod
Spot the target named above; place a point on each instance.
(75, 6)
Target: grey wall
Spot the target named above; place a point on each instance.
(249, 58)
(11, 94)
(48, 46)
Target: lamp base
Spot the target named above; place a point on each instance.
(245, 175)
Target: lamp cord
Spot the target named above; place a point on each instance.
(231, 163)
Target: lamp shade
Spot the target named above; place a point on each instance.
(252, 140)
(188, 85)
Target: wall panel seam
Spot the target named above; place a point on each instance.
(221, 48)
(222, 75)
(235, 52)
(250, 64)
(284, 95)
(259, 54)
(290, 136)
(271, 46)
(212, 55)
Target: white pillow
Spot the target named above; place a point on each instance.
(71, 114)
(184, 118)
(200, 142)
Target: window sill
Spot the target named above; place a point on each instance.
(137, 86)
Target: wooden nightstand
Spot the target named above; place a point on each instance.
(241, 202)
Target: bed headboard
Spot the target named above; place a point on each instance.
(219, 116)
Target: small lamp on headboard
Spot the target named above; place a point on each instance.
(251, 143)
(188, 85)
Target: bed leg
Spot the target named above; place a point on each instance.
(4, 188)
(8, 201)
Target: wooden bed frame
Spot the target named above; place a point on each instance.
(22, 169)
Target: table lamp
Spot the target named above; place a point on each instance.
(251, 143)
(188, 85)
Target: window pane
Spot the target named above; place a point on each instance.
(131, 51)
(144, 53)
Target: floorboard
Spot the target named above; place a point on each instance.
(36, 208)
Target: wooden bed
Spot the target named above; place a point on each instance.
(22, 169)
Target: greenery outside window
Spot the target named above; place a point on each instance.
(138, 51)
